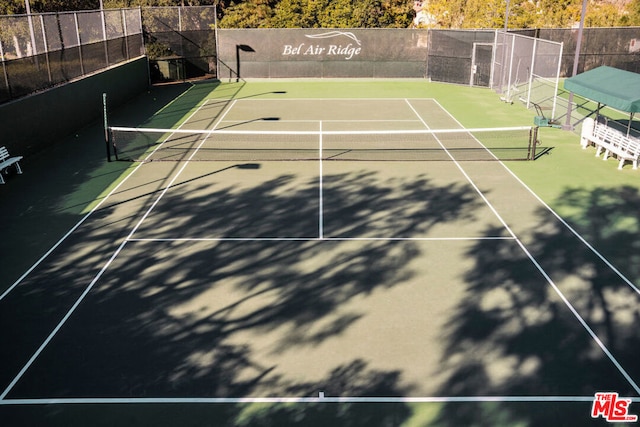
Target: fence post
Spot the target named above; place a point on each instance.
(568, 125)
(144, 48)
(555, 98)
(46, 48)
(104, 34)
(533, 142)
(215, 36)
(533, 64)
(4, 70)
(75, 19)
(510, 69)
(34, 48)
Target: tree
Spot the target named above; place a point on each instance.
(383, 13)
(11, 7)
(374, 13)
(293, 14)
(602, 15)
(338, 14)
(524, 14)
(248, 14)
(484, 14)
(634, 13)
(447, 13)
(319, 14)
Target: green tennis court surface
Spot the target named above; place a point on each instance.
(256, 291)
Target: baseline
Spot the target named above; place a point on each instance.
(321, 398)
(317, 239)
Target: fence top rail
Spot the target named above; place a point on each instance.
(515, 34)
(68, 12)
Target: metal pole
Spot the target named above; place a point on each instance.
(141, 30)
(46, 47)
(75, 18)
(215, 33)
(555, 98)
(106, 126)
(123, 16)
(237, 63)
(4, 70)
(531, 74)
(33, 36)
(504, 47)
(104, 33)
(576, 59)
(513, 45)
(506, 17)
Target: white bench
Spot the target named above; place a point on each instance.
(611, 141)
(6, 161)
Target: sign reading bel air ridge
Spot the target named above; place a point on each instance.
(345, 49)
(323, 52)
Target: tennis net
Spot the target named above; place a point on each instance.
(482, 144)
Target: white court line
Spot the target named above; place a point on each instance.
(559, 218)
(316, 100)
(575, 233)
(320, 399)
(573, 310)
(330, 121)
(320, 189)
(467, 177)
(61, 323)
(100, 273)
(4, 401)
(314, 239)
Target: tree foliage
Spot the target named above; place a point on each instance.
(376, 13)
(528, 13)
(319, 14)
(483, 14)
(634, 13)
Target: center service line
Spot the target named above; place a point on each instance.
(320, 217)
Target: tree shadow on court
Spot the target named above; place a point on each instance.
(61, 180)
(39, 208)
(227, 318)
(513, 335)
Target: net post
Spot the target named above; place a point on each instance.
(533, 141)
(106, 125)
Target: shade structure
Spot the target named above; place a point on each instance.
(610, 86)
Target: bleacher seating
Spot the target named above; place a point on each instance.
(610, 141)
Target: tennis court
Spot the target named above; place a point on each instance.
(314, 253)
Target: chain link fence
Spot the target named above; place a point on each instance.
(180, 42)
(42, 50)
(460, 56)
(39, 51)
(527, 69)
(615, 47)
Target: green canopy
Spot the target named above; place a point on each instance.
(616, 88)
